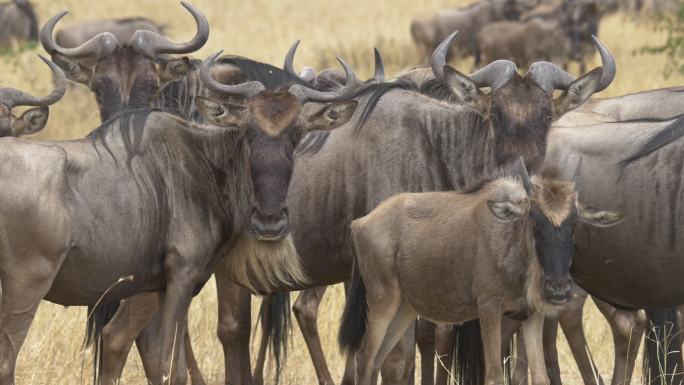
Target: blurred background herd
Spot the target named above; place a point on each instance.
(646, 37)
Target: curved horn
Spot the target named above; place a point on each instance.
(289, 61)
(97, 47)
(551, 77)
(12, 97)
(520, 170)
(150, 44)
(608, 64)
(244, 90)
(438, 60)
(379, 75)
(493, 75)
(305, 94)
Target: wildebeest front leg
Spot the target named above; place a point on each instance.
(490, 323)
(234, 325)
(306, 312)
(570, 319)
(628, 328)
(532, 335)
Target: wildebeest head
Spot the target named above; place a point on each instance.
(125, 76)
(553, 210)
(272, 122)
(34, 119)
(520, 109)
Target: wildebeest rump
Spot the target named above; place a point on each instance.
(503, 246)
(18, 22)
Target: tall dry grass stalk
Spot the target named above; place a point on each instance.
(263, 30)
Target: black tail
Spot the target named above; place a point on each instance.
(277, 327)
(468, 364)
(662, 348)
(97, 319)
(355, 316)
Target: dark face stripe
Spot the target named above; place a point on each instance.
(554, 245)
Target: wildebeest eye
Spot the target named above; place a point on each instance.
(548, 119)
(492, 117)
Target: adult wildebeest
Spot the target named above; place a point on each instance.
(644, 176)
(429, 33)
(191, 192)
(125, 76)
(452, 142)
(18, 22)
(34, 119)
(561, 35)
(512, 256)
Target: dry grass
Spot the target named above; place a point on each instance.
(263, 30)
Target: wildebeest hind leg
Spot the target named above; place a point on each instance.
(21, 296)
(570, 320)
(174, 311)
(445, 339)
(425, 340)
(628, 328)
(381, 312)
(398, 366)
(306, 312)
(121, 331)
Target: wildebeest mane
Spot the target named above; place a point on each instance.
(315, 141)
(436, 89)
(272, 77)
(663, 138)
(179, 96)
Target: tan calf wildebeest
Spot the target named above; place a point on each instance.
(502, 247)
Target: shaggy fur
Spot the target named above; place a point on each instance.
(556, 199)
(262, 266)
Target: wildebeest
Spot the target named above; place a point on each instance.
(18, 22)
(127, 323)
(429, 33)
(34, 119)
(191, 192)
(561, 35)
(511, 255)
(125, 76)
(456, 144)
(644, 175)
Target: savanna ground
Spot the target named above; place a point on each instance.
(263, 30)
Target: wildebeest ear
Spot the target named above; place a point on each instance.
(173, 69)
(506, 211)
(465, 90)
(73, 69)
(328, 116)
(31, 121)
(599, 218)
(221, 114)
(577, 93)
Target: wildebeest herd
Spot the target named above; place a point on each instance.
(462, 211)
